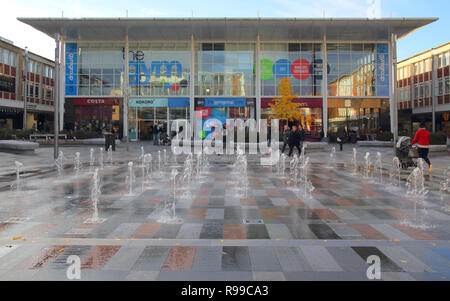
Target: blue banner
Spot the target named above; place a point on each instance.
(179, 102)
(382, 62)
(225, 102)
(71, 68)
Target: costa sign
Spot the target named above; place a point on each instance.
(94, 101)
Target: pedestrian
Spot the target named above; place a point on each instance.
(423, 142)
(341, 137)
(302, 136)
(294, 141)
(155, 134)
(160, 132)
(286, 133)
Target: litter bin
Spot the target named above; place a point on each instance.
(110, 140)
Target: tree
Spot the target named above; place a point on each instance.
(283, 108)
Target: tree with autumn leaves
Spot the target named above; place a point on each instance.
(283, 108)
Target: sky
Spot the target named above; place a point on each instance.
(426, 38)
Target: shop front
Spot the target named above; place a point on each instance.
(214, 112)
(310, 115)
(94, 114)
(144, 113)
(363, 118)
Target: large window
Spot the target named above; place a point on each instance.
(302, 62)
(159, 69)
(225, 69)
(358, 69)
(100, 68)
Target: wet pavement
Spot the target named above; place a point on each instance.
(274, 233)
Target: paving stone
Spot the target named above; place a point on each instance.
(319, 258)
(208, 259)
(264, 259)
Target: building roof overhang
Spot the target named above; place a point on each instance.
(231, 29)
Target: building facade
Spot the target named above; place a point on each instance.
(424, 91)
(129, 74)
(40, 88)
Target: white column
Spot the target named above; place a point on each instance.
(258, 81)
(125, 93)
(62, 85)
(325, 87)
(393, 86)
(192, 88)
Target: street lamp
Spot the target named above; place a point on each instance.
(25, 90)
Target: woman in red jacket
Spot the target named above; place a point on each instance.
(423, 142)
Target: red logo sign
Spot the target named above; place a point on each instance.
(96, 101)
(203, 112)
(300, 69)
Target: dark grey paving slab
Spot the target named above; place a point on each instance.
(151, 259)
(212, 230)
(236, 259)
(387, 265)
(207, 259)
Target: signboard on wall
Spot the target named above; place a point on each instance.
(96, 101)
(303, 102)
(71, 69)
(159, 102)
(382, 62)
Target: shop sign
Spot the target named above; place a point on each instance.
(148, 102)
(382, 62)
(225, 102)
(302, 102)
(300, 69)
(96, 101)
(71, 68)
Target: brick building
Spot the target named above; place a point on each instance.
(424, 91)
(40, 88)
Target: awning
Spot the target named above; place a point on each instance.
(231, 29)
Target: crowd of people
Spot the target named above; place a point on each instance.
(294, 138)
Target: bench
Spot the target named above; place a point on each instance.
(96, 141)
(46, 136)
(375, 144)
(16, 146)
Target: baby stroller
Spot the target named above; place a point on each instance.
(164, 139)
(406, 153)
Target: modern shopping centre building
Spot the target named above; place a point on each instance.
(149, 70)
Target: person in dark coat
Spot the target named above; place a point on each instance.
(286, 133)
(342, 134)
(155, 134)
(294, 140)
(302, 136)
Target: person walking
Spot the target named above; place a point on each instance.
(341, 137)
(286, 133)
(302, 137)
(422, 138)
(294, 141)
(155, 134)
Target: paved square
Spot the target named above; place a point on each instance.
(272, 233)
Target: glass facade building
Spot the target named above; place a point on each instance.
(162, 70)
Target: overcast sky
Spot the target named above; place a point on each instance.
(23, 35)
